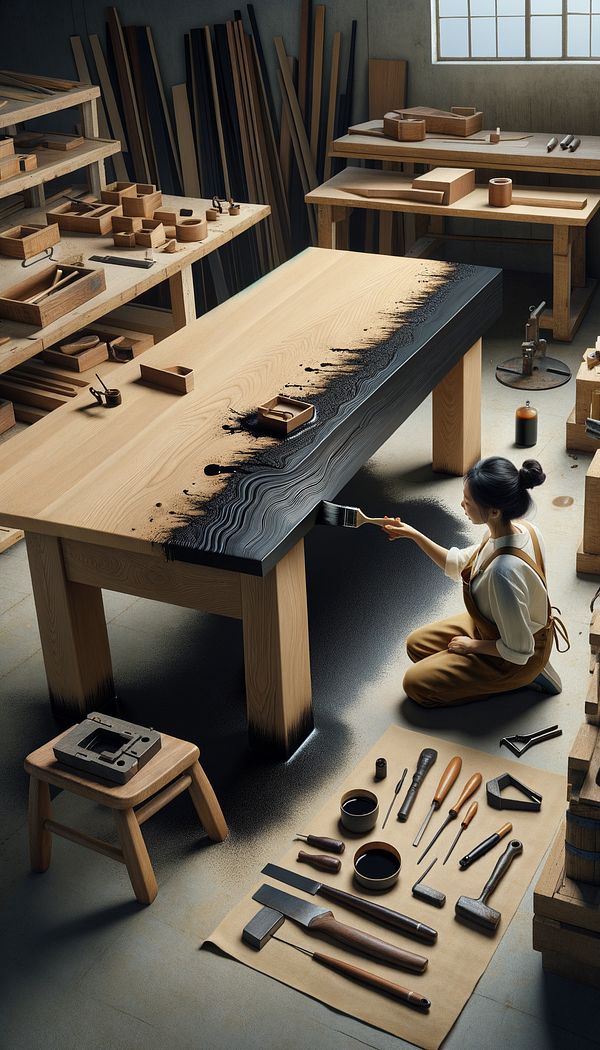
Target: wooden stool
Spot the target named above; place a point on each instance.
(166, 775)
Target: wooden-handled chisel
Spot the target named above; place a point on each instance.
(472, 810)
(470, 787)
(426, 760)
(447, 779)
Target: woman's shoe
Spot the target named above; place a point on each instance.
(549, 681)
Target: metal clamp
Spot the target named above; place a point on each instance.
(46, 254)
(497, 800)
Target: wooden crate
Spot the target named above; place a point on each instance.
(23, 242)
(592, 700)
(87, 284)
(587, 382)
(577, 439)
(582, 836)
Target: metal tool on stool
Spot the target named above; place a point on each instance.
(528, 741)
(532, 800)
(108, 747)
(533, 370)
(474, 910)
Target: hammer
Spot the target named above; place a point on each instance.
(474, 910)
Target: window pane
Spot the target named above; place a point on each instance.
(596, 36)
(511, 38)
(483, 7)
(546, 37)
(578, 7)
(483, 38)
(454, 38)
(512, 7)
(546, 7)
(578, 36)
(596, 6)
(451, 8)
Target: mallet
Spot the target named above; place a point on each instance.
(474, 910)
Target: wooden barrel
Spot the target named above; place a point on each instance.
(582, 849)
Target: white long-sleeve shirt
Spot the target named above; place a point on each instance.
(508, 593)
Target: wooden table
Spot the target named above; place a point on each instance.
(571, 291)
(123, 283)
(364, 338)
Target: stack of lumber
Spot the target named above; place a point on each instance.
(36, 388)
(587, 384)
(25, 87)
(566, 903)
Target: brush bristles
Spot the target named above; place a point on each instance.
(333, 514)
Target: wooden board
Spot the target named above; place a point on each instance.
(332, 102)
(455, 182)
(387, 86)
(132, 116)
(185, 138)
(396, 332)
(8, 537)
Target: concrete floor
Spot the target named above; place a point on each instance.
(83, 965)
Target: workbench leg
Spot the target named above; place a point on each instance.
(561, 282)
(40, 810)
(578, 256)
(332, 224)
(457, 415)
(276, 655)
(89, 117)
(183, 302)
(72, 631)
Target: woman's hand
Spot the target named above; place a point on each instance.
(397, 529)
(463, 645)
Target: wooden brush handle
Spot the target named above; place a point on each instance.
(371, 980)
(320, 861)
(329, 845)
(394, 920)
(447, 780)
(350, 937)
(472, 810)
(470, 787)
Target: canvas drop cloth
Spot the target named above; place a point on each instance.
(461, 955)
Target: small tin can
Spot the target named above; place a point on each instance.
(526, 426)
(380, 769)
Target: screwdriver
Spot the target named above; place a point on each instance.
(471, 786)
(472, 810)
(446, 781)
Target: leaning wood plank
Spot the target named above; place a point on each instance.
(132, 116)
(105, 133)
(163, 101)
(217, 107)
(141, 87)
(274, 222)
(317, 80)
(333, 90)
(264, 111)
(185, 138)
(299, 157)
(307, 161)
(285, 136)
(305, 12)
(108, 94)
(387, 86)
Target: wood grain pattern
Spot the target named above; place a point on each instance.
(366, 338)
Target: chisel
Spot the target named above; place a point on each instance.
(446, 781)
(470, 787)
(426, 760)
(472, 810)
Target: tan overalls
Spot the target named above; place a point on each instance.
(439, 678)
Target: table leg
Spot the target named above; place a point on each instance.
(72, 631)
(578, 256)
(183, 302)
(332, 224)
(561, 282)
(276, 656)
(457, 415)
(40, 810)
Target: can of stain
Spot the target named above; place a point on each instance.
(526, 426)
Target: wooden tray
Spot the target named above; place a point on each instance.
(300, 412)
(145, 202)
(79, 362)
(442, 122)
(23, 242)
(177, 379)
(70, 218)
(138, 341)
(114, 193)
(86, 285)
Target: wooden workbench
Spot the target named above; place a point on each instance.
(571, 291)
(364, 338)
(123, 283)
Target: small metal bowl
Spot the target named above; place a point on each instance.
(359, 810)
(377, 865)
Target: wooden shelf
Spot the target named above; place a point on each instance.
(16, 112)
(53, 163)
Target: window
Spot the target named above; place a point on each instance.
(516, 30)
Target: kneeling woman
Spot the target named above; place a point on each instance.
(504, 638)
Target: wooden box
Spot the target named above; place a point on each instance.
(85, 285)
(403, 130)
(7, 148)
(125, 224)
(79, 362)
(124, 240)
(177, 379)
(9, 166)
(587, 382)
(166, 216)
(145, 202)
(7, 415)
(151, 235)
(74, 218)
(441, 122)
(454, 182)
(23, 242)
(115, 191)
(282, 415)
(27, 161)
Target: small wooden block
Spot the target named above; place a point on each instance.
(409, 130)
(579, 441)
(588, 565)
(125, 224)
(27, 161)
(152, 234)
(7, 148)
(114, 193)
(124, 240)
(144, 203)
(7, 415)
(595, 631)
(8, 537)
(587, 382)
(170, 247)
(166, 216)
(591, 507)
(177, 379)
(9, 166)
(62, 142)
(77, 362)
(454, 182)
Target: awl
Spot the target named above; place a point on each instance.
(446, 781)
(470, 787)
(322, 920)
(472, 810)
(393, 920)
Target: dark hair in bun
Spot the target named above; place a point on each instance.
(495, 483)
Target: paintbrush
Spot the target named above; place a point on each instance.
(347, 517)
